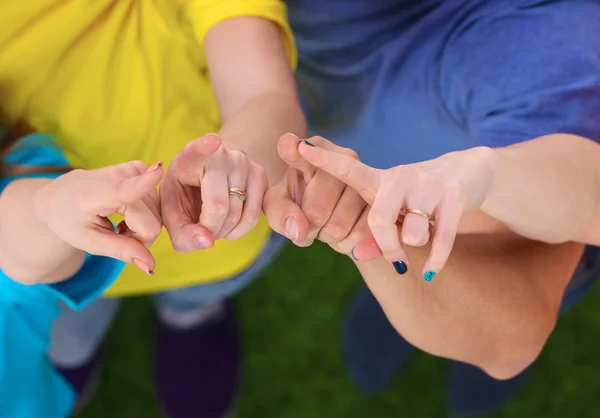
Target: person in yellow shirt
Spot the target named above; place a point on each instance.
(124, 80)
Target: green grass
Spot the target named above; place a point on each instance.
(293, 368)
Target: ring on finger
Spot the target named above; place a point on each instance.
(419, 212)
(240, 193)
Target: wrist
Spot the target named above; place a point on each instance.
(490, 162)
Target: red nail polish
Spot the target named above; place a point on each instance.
(154, 166)
(143, 266)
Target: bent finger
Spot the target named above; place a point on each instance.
(103, 242)
(447, 220)
(284, 215)
(256, 188)
(215, 198)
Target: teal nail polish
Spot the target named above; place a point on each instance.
(308, 143)
(352, 255)
(429, 275)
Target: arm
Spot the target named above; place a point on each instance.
(30, 252)
(547, 189)
(474, 311)
(255, 89)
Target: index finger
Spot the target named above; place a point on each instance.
(135, 188)
(361, 177)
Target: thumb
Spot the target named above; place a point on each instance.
(362, 178)
(103, 242)
(188, 165)
(284, 215)
(287, 147)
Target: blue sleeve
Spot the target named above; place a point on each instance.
(96, 274)
(531, 71)
(88, 284)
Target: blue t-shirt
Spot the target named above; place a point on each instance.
(29, 385)
(402, 81)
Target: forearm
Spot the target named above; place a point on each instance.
(30, 253)
(494, 304)
(257, 126)
(547, 189)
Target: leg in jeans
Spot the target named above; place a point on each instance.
(76, 337)
(198, 349)
(375, 352)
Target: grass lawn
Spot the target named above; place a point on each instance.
(293, 368)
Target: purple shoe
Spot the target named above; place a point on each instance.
(84, 379)
(198, 369)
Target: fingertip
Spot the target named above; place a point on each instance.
(206, 145)
(366, 250)
(145, 262)
(287, 147)
(155, 167)
(428, 275)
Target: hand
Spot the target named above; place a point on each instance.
(443, 188)
(197, 208)
(77, 204)
(311, 204)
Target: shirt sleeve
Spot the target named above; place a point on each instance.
(96, 274)
(532, 71)
(204, 14)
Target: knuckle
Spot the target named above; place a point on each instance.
(233, 219)
(217, 210)
(337, 229)
(378, 218)
(316, 215)
(155, 230)
(252, 217)
(179, 247)
(349, 152)
(138, 167)
(445, 238)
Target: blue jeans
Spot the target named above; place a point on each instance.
(76, 335)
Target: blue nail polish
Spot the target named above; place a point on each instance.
(429, 275)
(352, 255)
(400, 267)
(308, 143)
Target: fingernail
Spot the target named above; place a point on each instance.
(308, 143)
(352, 255)
(291, 228)
(294, 135)
(154, 166)
(303, 244)
(143, 266)
(400, 267)
(429, 275)
(203, 242)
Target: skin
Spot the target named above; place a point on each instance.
(497, 299)
(47, 225)
(257, 105)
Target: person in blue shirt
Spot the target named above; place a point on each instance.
(404, 81)
(57, 245)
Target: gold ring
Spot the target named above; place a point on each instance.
(419, 212)
(234, 191)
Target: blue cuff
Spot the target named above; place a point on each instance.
(90, 282)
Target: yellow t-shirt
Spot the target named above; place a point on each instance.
(115, 81)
